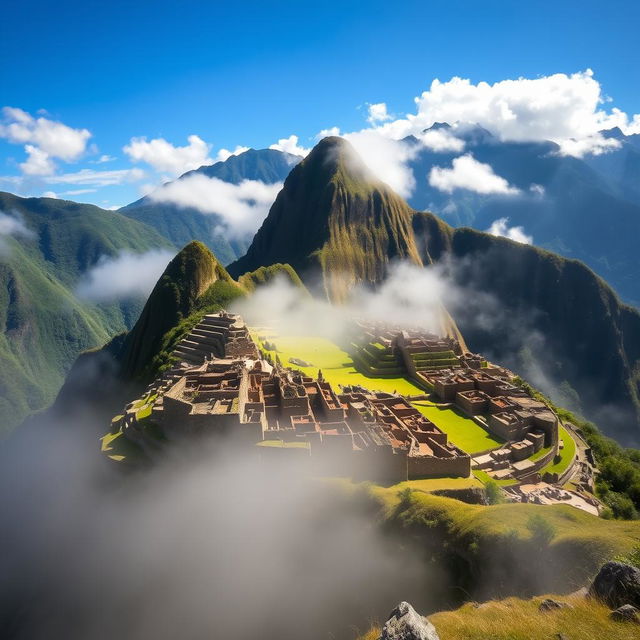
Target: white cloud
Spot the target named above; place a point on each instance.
(378, 113)
(50, 194)
(290, 145)
(242, 207)
(13, 225)
(501, 228)
(441, 140)
(97, 178)
(163, 156)
(558, 107)
(38, 162)
(326, 133)
(225, 154)
(387, 158)
(54, 138)
(103, 158)
(468, 173)
(127, 275)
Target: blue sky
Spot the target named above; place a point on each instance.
(252, 73)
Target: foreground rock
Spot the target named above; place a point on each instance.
(617, 584)
(405, 623)
(626, 613)
(548, 604)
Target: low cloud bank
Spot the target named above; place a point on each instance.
(206, 544)
(241, 207)
(411, 296)
(126, 275)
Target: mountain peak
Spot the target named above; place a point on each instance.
(186, 278)
(333, 219)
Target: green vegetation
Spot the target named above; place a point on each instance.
(493, 492)
(515, 619)
(376, 360)
(264, 275)
(336, 365)
(565, 456)
(193, 284)
(282, 444)
(333, 213)
(45, 326)
(618, 481)
(485, 478)
(462, 431)
(428, 485)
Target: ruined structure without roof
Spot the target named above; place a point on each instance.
(221, 385)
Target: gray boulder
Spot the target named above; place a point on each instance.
(405, 623)
(625, 613)
(617, 584)
(548, 604)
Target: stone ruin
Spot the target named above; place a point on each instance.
(222, 386)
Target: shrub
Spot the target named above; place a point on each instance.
(493, 492)
(542, 531)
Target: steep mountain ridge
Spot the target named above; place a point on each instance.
(544, 315)
(44, 325)
(585, 208)
(334, 223)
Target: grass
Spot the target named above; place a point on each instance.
(515, 619)
(283, 445)
(484, 477)
(336, 364)
(462, 431)
(566, 454)
(509, 519)
(116, 447)
(427, 485)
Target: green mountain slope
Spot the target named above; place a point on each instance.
(335, 219)
(192, 280)
(548, 317)
(44, 326)
(182, 225)
(552, 318)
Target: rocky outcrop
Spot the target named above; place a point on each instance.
(405, 623)
(549, 604)
(626, 613)
(617, 584)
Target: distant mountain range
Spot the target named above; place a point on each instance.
(588, 208)
(180, 225)
(336, 219)
(548, 317)
(44, 325)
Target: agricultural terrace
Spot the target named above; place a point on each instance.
(337, 366)
(338, 369)
(462, 431)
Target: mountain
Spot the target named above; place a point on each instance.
(193, 283)
(588, 209)
(181, 225)
(192, 278)
(333, 220)
(44, 325)
(547, 316)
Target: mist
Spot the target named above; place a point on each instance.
(208, 542)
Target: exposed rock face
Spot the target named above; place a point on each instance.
(626, 613)
(405, 623)
(548, 604)
(617, 584)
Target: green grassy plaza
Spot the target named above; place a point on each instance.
(338, 369)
